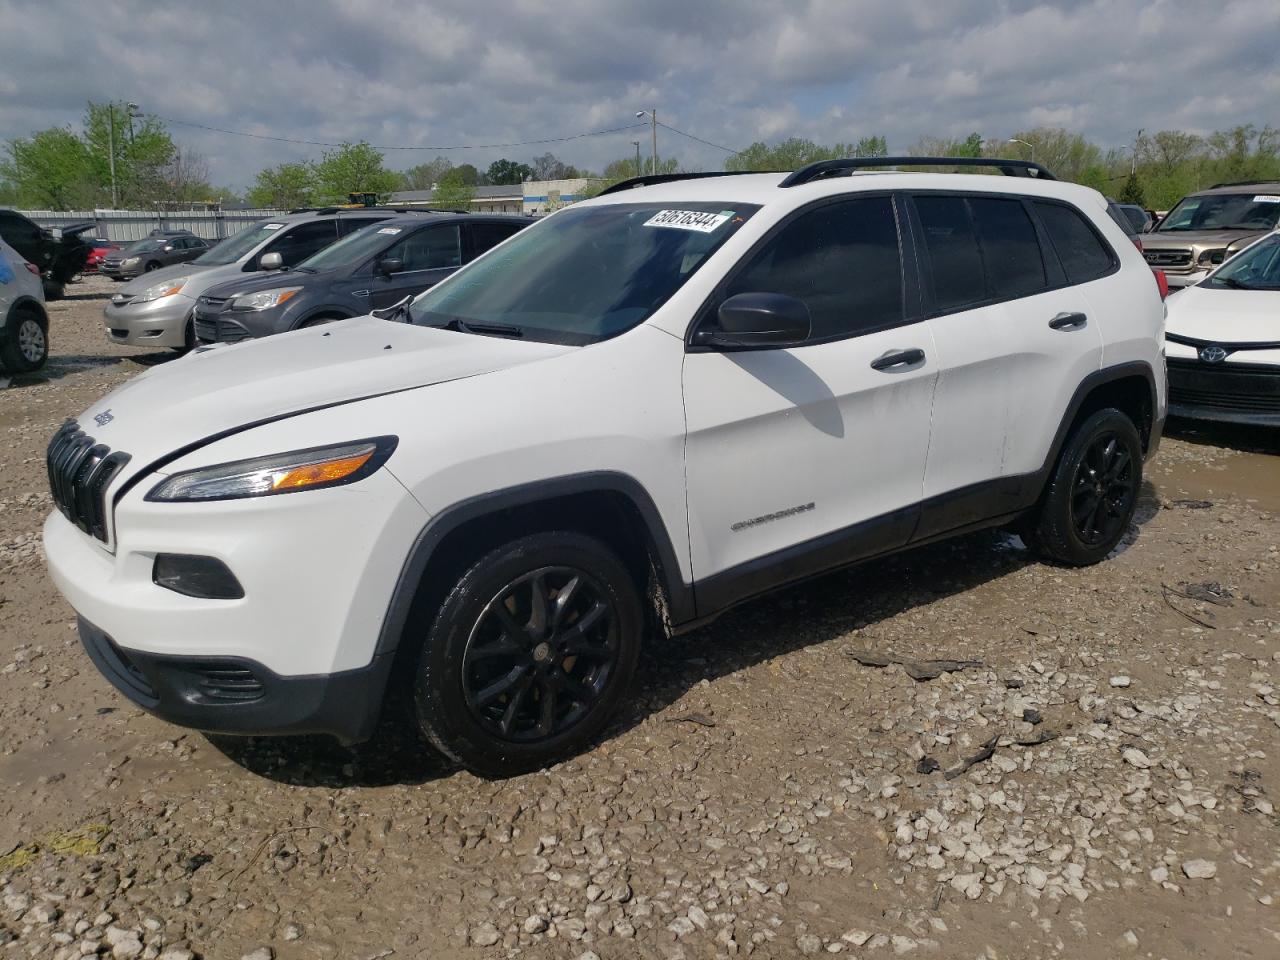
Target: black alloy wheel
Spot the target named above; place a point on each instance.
(541, 654)
(1103, 491)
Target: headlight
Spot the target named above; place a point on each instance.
(282, 473)
(130, 262)
(1212, 257)
(158, 290)
(263, 299)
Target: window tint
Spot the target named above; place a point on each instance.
(302, 241)
(841, 260)
(953, 251)
(487, 235)
(430, 249)
(1010, 249)
(1083, 255)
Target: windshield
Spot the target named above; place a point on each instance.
(1256, 268)
(143, 246)
(352, 248)
(1223, 211)
(586, 273)
(233, 248)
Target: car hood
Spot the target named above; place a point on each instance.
(142, 281)
(1181, 239)
(268, 280)
(220, 389)
(1226, 316)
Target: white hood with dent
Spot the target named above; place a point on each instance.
(214, 390)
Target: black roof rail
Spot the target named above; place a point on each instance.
(823, 169)
(1244, 183)
(650, 179)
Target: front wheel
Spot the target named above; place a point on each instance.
(1092, 493)
(530, 654)
(26, 344)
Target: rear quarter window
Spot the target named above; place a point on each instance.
(1083, 253)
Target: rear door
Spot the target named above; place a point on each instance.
(799, 459)
(427, 256)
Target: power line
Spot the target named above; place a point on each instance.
(468, 146)
(699, 139)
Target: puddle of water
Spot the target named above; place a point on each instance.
(1241, 463)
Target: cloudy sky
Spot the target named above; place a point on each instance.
(463, 72)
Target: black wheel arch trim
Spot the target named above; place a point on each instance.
(679, 595)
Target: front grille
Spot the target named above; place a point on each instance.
(1167, 258)
(221, 682)
(211, 328)
(1248, 388)
(80, 471)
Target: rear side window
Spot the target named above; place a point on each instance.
(952, 243)
(842, 260)
(1011, 254)
(303, 240)
(1083, 254)
(487, 235)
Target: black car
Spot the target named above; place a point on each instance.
(372, 268)
(60, 254)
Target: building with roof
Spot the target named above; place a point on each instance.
(532, 197)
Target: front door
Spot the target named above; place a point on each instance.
(799, 459)
(426, 257)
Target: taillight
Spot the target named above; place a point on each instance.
(1137, 242)
(1162, 283)
(33, 268)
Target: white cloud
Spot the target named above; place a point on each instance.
(730, 71)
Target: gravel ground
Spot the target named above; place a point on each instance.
(1101, 782)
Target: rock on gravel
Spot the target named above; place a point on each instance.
(1200, 869)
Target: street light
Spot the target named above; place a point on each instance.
(1025, 144)
(636, 144)
(653, 118)
(131, 111)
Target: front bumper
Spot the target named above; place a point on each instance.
(157, 323)
(240, 696)
(1247, 393)
(215, 323)
(1180, 280)
(117, 272)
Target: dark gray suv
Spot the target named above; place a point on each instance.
(372, 268)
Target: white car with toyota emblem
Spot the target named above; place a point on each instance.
(635, 414)
(1223, 341)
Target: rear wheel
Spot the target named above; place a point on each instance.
(26, 342)
(1092, 493)
(530, 654)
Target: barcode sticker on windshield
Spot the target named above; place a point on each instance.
(687, 220)
(272, 226)
(1266, 198)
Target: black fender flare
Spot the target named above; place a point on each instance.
(679, 594)
(27, 303)
(1100, 378)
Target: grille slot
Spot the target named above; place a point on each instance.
(232, 684)
(1253, 388)
(80, 470)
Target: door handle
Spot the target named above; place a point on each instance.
(898, 358)
(1069, 321)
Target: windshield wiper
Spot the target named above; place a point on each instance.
(1234, 283)
(488, 329)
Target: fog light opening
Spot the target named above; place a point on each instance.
(206, 578)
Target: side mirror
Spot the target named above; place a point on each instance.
(390, 265)
(758, 321)
(271, 261)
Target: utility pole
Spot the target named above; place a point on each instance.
(111, 149)
(1133, 164)
(653, 120)
(639, 171)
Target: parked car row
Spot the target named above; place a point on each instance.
(162, 248)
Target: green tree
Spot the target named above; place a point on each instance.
(508, 171)
(1068, 155)
(971, 147)
(425, 175)
(352, 168)
(50, 169)
(1131, 192)
(469, 174)
(284, 187)
(142, 148)
(793, 153)
(453, 192)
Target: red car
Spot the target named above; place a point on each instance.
(100, 249)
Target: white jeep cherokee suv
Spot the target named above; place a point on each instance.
(643, 410)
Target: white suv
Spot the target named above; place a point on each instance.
(643, 410)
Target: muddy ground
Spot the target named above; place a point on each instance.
(770, 791)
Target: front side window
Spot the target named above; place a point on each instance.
(1223, 211)
(586, 273)
(842, 260)
(434, 248)
(352, 248)
(952, 242)
(1083, 254)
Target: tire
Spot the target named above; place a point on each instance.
(188, 336)
(1092, 492)
(54, 289)
(497, 686)
(320, 321)
(153, 265)
(26, 342)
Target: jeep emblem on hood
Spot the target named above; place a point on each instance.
(103, 418)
